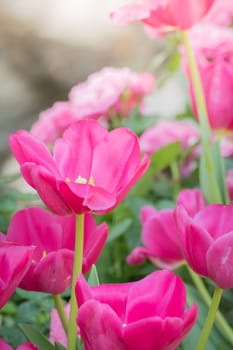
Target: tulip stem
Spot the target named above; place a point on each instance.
(221, 322)
(209, 183)
(61, 312)
(77, 269)
(210, 319)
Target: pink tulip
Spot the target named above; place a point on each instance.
(221, 13)
(214, 54)
(207, 242)
(54, 236)
(159, 235)
(24, 346)
(229, 182)
(91, 169)
(110, 91)
(15, 261)
(163, 15)
(148, 314)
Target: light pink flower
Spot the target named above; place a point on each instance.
(15, 261)
(229, 183)
(24, 346)
(91, 169)
(148, 314)
(163, 15)
(159, 234)
(53, 121)
(57, 332)
(109, 91)
(53, 237)
(207, 242)
(165, 132)
(221, 13)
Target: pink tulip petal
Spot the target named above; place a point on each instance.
(4, 345)
(219, 261)
(100, 328)
(130, 13)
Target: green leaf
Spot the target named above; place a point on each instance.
(36, 338)
(165, 156)
(119, 229)
(58, 346)
(93, 279)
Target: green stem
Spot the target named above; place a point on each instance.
(175, 171)
(77, 269)
(210, 319)
(221, 323)
(61, 312)
(208, 179)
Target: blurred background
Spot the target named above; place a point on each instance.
(47, 46)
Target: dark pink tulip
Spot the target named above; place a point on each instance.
(159, 234)
(53, 237)
(163, 15)
(207, 242)
(90, 170)
(148, 314)
(15, 262)
(24, 346)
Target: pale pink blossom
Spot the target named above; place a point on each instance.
(57, 332)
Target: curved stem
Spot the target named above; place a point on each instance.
(221, 322)
(210, 319)
(61, 312)
(77, 269)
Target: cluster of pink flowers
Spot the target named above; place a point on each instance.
(90, 170)
(105, 94)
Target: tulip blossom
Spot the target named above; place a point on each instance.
(221, 13)
(89, 170)
(163, 15)
(215, 60)
(159, 234)
(15, 262)
(108, 92)
(148, 314)
(207, 242)
(229, 183)
(24, 346)
(53, 237)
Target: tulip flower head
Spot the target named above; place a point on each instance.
(89, 170)
(15, 262)
(159, 235)
(53, 237)
(207, 242)
(148, 314)
(24, 346)
(163, 15)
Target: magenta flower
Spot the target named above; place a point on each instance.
(207, 242)
(24, 346)
(110, 91)
(15, 261)
(148, 314)
(91, 169)
(159, 233)
(163, 15)
(53, 238)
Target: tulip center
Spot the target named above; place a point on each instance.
(82, 180)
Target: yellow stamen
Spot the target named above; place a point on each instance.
(68, 179)
(91, 181)
(44, 254)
